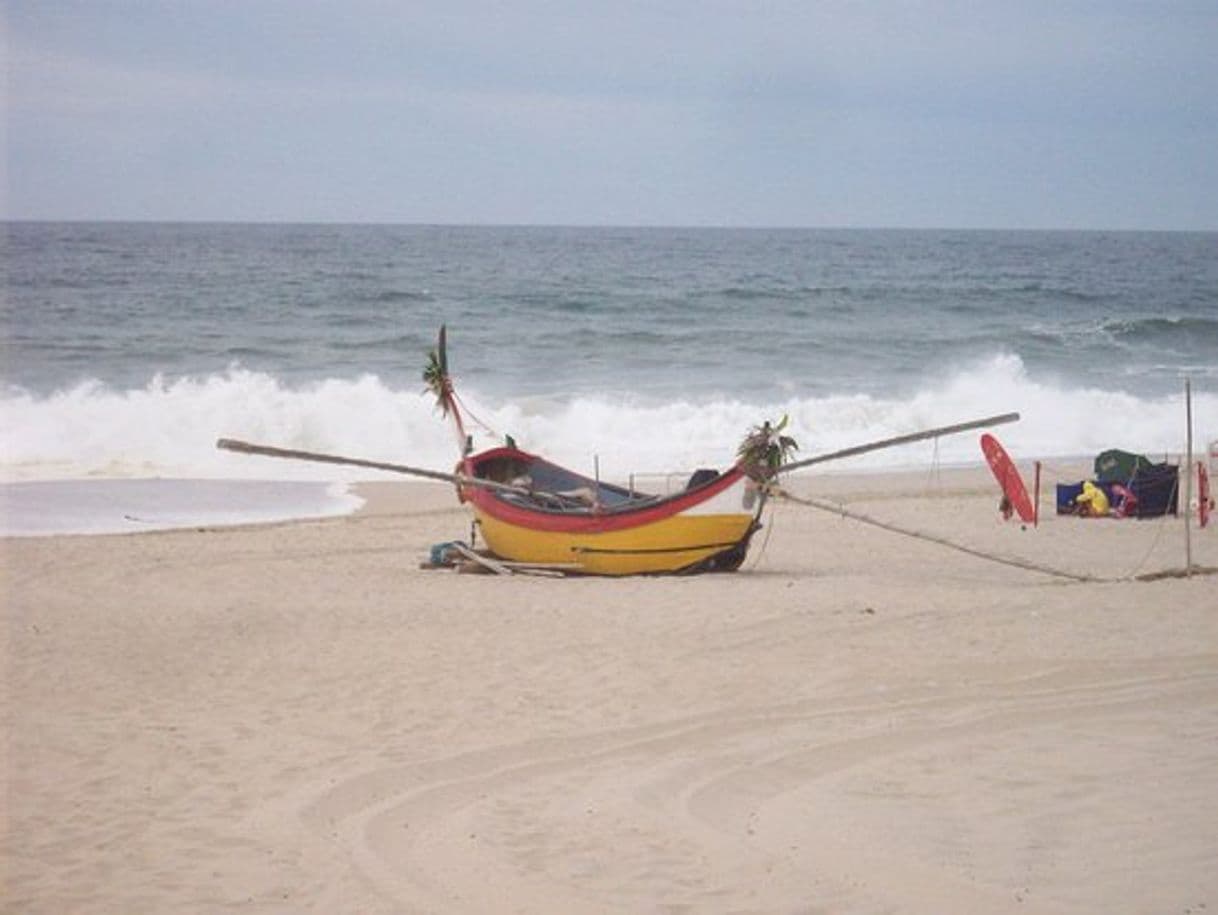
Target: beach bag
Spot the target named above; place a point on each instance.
(1067, 496)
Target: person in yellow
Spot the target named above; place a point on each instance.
(1092, 502)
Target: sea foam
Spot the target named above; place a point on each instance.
(169, 427)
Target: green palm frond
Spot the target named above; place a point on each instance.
(765, 449)
(436, 378)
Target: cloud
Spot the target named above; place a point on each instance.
(778, 113)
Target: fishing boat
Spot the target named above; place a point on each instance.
(532, 512)
(549, 515)
(543, 514)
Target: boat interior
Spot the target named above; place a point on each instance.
(547, 487)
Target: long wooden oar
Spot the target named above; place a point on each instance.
(230, 444)
(901, 440)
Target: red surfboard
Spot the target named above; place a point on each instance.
(1203, 495)
(1008, 477)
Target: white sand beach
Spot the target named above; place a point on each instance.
(296, 717)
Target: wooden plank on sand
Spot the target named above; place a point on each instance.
(485, 561)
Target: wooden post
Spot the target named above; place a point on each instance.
(1036, 504)
(1188, 479)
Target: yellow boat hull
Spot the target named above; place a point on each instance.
(665, 545)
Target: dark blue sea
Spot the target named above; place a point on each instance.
(129, 348)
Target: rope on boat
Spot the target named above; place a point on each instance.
(765, 541)
(844, 512)
(470, 413)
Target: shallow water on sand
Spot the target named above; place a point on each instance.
(130, 506)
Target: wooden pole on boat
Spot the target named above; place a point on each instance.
(230, 444)
(1188, 478)
(901, 440)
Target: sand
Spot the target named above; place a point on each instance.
(295, 717)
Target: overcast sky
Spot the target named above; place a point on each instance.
(1053, 114)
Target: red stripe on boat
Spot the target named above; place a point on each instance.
(590, 523)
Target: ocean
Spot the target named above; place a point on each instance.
(128, 349)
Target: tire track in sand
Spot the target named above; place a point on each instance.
(672, 815)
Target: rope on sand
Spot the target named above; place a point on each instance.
(941, 541)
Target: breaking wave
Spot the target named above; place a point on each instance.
(168, 428)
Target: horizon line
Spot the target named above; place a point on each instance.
(720, 227)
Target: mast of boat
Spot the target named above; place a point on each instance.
(901, 440)
(440, 383)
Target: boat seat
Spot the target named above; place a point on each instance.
(701, 477)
